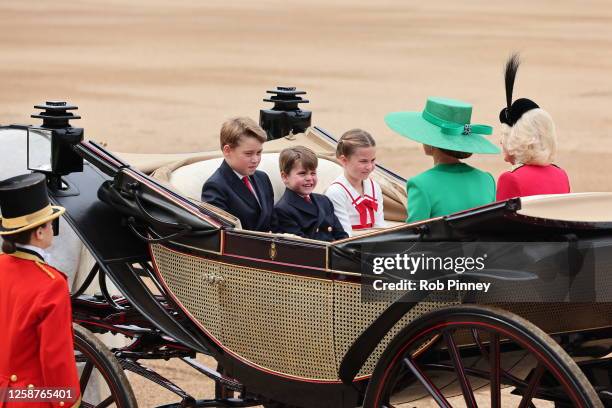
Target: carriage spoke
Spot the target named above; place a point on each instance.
(79, 358)
(478, 341)
(107, 402)
(464, 381)
(429, 386)
(85, 375)
(86, 405)
(532, 387)
(495, 364)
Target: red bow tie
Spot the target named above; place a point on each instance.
(366, 206)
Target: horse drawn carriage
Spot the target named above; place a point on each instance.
(291, 321)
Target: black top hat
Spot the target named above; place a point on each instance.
(514, 110)
(24, 203)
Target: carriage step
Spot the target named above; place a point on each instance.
(592, 351)
(228, 383)
(151, 375)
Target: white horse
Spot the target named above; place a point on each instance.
(67, 250)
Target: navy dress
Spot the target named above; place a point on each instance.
(225, 190)
(314, 220)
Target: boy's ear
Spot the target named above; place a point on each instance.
(226, 149)
(284, 176)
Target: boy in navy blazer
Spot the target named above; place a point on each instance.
(300, 211)
(237, 186)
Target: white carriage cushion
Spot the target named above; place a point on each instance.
(577, 207)
(189, 179)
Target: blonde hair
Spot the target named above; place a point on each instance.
(235, 128)
(291, 156)
(352, 140)
(532, 139)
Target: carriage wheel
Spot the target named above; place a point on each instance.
(103, 382)
(473, 347)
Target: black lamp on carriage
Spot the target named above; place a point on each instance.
(285, 117)
(61, 158)
(55, 156)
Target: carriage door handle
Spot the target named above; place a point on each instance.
(213, 279)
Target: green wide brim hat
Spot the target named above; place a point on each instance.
(446, 124)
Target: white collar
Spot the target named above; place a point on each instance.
(365, 183)
(240, 176)
(44, 254)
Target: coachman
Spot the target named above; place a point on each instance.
(36, 340)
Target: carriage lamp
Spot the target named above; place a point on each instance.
(50, 147)
(59, 159)
(285, 117)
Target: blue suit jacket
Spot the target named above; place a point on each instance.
(315, 220)
(224, 189)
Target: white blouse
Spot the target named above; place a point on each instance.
(353, 210)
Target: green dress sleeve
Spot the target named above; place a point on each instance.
(493, 187)
(419, 207)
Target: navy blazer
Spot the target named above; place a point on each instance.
(224, 189)
(315, 220)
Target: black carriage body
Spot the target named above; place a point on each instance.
(110, 203)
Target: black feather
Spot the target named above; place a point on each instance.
(511, 68)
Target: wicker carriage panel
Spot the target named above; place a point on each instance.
(352, 316)
(189, 279)
(279, 321)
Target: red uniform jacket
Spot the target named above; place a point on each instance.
(36, 346)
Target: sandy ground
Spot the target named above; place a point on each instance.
(161, 76)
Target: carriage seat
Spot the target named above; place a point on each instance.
(189, 179)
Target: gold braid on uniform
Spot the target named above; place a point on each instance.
(47, 271)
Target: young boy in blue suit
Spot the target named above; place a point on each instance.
(300, 211)
(237, 186)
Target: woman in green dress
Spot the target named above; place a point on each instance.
(445, 130)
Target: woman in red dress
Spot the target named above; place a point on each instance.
(36, 346)
(530, 143)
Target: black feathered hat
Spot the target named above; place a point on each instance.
(24, 203)
(513, 111)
